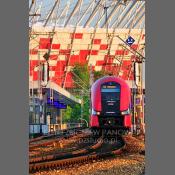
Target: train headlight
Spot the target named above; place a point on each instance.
(98, 113)
(125, 112)
(95, 112)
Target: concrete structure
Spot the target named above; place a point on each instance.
(45, 107)
(86, 45)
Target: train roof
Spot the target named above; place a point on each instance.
(108, 79)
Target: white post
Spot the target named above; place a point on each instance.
(61, 119)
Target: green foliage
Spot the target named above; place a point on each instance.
(86, 107)
(81, 77)
(71, 114)
(67, 114)
(76, 112)
(99, 74)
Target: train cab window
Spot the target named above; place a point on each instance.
(110, 89)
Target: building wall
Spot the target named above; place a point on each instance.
(83, 46)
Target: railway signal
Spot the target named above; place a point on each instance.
(130, 40)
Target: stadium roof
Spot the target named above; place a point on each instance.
(88, 13)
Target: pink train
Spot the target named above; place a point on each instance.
(110, 104)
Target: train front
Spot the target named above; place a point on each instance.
(110, 104)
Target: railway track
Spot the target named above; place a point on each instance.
(52, 156)
(53, 138)
(60, 145)
(62, 133)
(101, 149)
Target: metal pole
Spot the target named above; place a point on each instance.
(91, 82)
(142, 100)
(61, 119)
(91, 76)
(140, 96)
(33, 1)
(40, 91)
(82, 108)
(51, 12)
(133, 98)
(139, 107)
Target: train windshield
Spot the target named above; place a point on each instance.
(110, 90)
(110, 87)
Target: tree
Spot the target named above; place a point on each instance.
(67, 114)
(76, 112)
(99, 74)
(71, 114)
(81, 77)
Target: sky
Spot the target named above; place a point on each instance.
(46, 6)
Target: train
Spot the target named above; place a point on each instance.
(110, 104)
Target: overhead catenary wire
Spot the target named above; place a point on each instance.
(80, 79)
(72, 41)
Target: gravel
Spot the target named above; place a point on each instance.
(59, 146)
(125, 165)
(129, 163)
